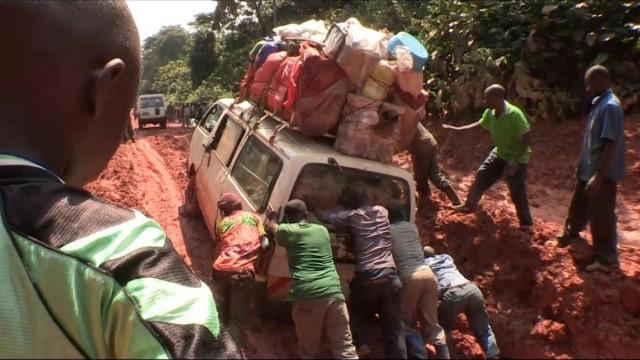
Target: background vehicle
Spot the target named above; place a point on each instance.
(268, 164)
(152, 109)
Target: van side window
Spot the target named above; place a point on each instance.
(226, 140)
(208, 122)
(256, 171)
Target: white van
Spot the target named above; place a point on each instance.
(152, 109)
(267, 164)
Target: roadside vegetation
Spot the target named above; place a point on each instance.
(538, 48)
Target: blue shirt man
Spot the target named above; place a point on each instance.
(600, 168)
(605, 122)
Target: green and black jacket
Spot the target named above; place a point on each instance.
(84, 279)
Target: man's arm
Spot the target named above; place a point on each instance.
(595, 183)
(465, 127)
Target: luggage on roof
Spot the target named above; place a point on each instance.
(378, 76)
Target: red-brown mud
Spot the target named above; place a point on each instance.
(540, 301)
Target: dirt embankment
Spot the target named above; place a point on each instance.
(541, 303)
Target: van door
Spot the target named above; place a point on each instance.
(218, 155)
(202, 135)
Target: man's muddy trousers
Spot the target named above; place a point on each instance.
(424, 155)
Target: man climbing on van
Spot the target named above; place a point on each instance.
(509, 130)
(82, 278)
(459, 295)
(600, 168)
(319, 310)
(376, 287)
(240, 235)
(420, 288)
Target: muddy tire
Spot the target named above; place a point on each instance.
(191, 208)
(140, 125)
(163, 124)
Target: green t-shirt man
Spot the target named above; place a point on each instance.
(310, 261)
(507, 131)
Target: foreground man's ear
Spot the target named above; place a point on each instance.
(106, 79)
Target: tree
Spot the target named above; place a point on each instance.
(174, 80)
(202, 59)
(169, 44)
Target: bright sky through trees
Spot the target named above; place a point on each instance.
(151, 15)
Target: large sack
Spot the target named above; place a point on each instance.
(264, 75)
(321, 90)
(377, 85)
(312, 30)
(357, 50)
(246, 82)
(277, 93)
(363, 132)
(266, 50)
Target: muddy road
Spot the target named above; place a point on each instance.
(541, 303)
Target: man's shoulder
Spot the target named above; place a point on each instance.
(380, 209)
(613, 103)
(516, 111)
(57, 214)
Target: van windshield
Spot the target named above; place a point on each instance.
(323, 184)
(151, 102)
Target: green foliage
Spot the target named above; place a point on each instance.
(174, 80)
(202, 59)
(538, 49)
(169, 44)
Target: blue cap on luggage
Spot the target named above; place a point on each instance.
(419, 52)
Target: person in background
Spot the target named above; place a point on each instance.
(600, 168)
(376, 287)
(424, 156)
(128, 131)
(509, 130)
(419, 284)
(319, 310)
(82, 278)
(180, 112)
(171, 112)
(186, 114)
(240, 237)
(459, 295)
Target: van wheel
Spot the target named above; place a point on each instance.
(191, 208)
(140, 125)
(163, 124)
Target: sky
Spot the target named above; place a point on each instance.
(151, 15)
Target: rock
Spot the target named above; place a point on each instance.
(550, 330)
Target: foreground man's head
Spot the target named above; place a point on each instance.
(70, 75)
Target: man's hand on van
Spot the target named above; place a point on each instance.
(272, 215)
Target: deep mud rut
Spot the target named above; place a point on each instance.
(541, 303)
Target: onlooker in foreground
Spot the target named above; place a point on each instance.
(600, 169)
(376, 287)
(82, 278)
(319, 310)
(459, 295)
(509, 130)
(419, 284)
(239, 237)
